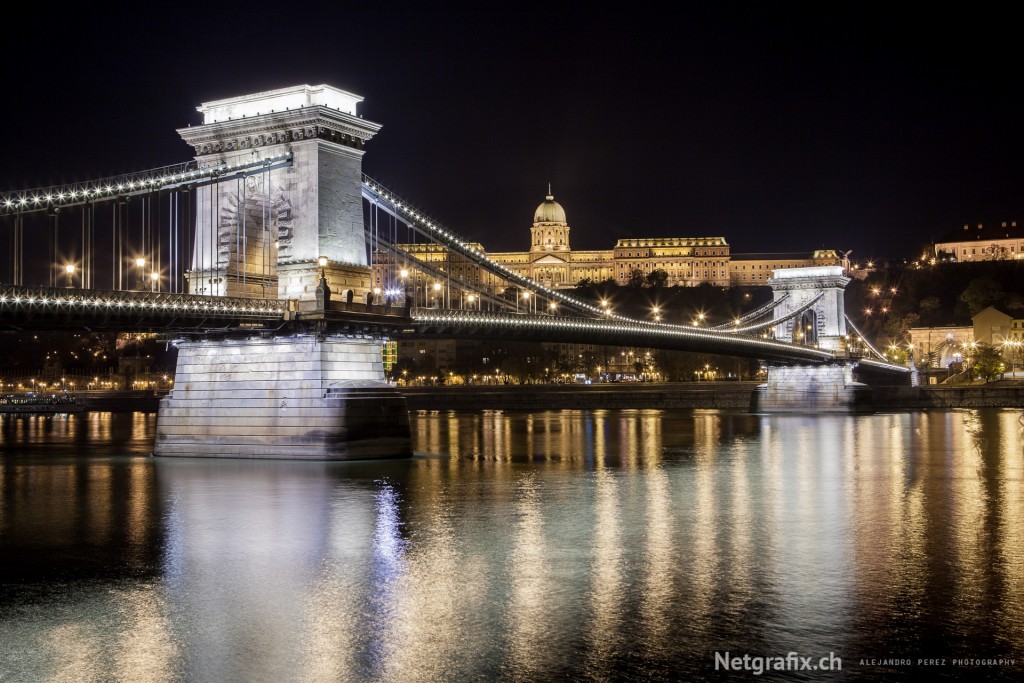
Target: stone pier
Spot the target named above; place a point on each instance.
(812, 389)
(295, 397)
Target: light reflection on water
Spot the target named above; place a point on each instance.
(516, 546)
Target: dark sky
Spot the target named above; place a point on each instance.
(779, 127)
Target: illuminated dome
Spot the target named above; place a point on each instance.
(550, 211)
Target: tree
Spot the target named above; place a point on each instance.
(981, 293)
(987, 363)
(657, 278)
(1013, 301)
(898, 327)
(636, 278)
(996, 252)
(896, 355)
(930, 304)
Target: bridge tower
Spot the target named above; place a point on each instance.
(264, 236)
(819, 291)
(824, 323)
(293, 231)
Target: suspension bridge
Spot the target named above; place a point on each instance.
(277, 267)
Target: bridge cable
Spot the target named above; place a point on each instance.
(763, 310)
(864, 339)
(778, 321)
(436, 272)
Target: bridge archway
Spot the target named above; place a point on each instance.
(807, 328)
(819, 291)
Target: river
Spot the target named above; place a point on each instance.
(522, 546)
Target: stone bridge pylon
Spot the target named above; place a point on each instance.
(817, 293)
(292, 231)
(265, 235)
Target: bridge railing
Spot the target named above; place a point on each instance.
(100, 300)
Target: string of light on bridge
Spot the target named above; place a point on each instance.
(728, 342)
(166, 178)
(15, 295)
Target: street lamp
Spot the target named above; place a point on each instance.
(70, 270)
(155, 279)
(404, 275)
(140, 265)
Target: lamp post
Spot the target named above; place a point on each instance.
(140, 266)
(69, 270)
(154, 278)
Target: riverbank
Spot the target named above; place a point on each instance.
(686, 395)
(581, 396)
(682, 395)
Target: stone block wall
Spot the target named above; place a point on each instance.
(294, 397)
(820, 388)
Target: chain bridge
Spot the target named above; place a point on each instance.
(277, 267)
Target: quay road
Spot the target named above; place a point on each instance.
(626, 395)
(682, 395)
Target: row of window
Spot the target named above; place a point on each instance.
(771, 267)
(985, 250)
(656, 264)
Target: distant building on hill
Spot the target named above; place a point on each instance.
(981, 242)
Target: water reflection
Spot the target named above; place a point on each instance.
(603, 630)
(517, 546)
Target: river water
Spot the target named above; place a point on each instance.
(557, 545)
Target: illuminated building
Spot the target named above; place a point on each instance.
(551, 261)
(982, 243)
(755, 269)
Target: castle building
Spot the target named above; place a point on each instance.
(982, 243)
(551, 261)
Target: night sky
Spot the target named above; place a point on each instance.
(781, 129)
